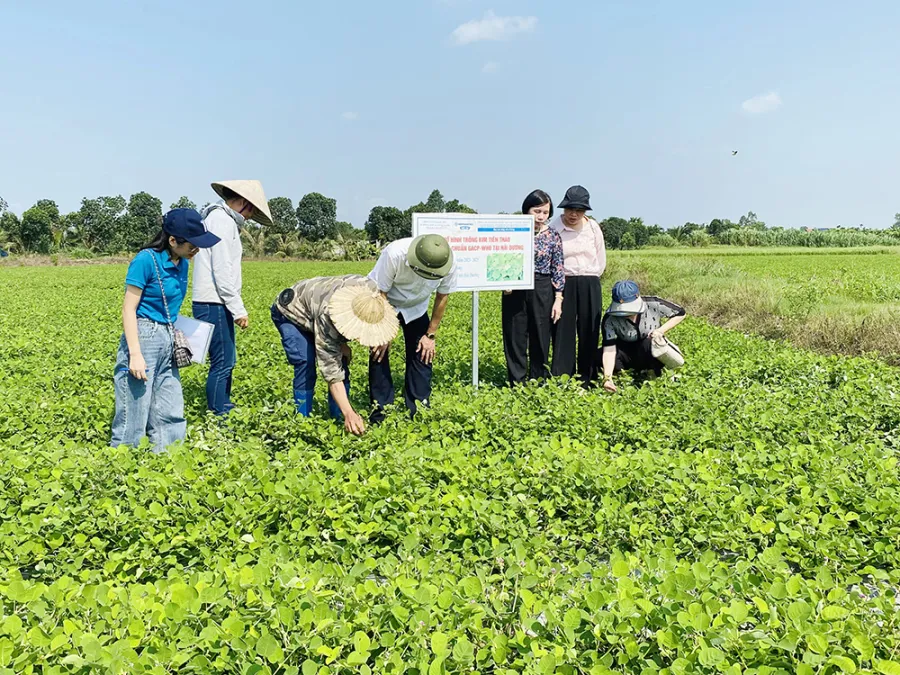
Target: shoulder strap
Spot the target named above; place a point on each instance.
(162, 290)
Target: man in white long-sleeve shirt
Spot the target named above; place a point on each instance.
(217, 281)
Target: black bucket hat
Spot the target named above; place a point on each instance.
(576, 197)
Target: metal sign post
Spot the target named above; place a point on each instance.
(475, 339)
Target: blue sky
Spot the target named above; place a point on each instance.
(379, 103)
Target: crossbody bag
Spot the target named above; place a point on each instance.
(182, 356)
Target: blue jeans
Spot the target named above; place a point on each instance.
(154, 408)
(300, 348)
(222, 355)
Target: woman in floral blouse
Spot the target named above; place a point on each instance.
(528, 315)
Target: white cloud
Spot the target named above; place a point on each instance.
(350, 116)
(762, 104)
(490, 67)
(493, 27)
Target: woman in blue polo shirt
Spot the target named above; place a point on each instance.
(149, 401)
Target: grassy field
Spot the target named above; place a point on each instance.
(836, 301)
(744, 519)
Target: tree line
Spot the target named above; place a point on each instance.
(114, 225)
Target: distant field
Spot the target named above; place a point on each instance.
(837, 301)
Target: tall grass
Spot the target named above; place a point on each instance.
(819, 312)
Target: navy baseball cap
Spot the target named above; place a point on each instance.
(626, 298)
(625, 291)
(187, 224)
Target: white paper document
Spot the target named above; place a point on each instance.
(198, 334)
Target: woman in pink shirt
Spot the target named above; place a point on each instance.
(584, 259)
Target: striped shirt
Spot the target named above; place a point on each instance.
(305, 304)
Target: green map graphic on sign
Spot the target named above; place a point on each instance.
(505, 266)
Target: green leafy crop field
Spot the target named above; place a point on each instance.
(744, 519)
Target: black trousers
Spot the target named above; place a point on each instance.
(417, 385)
(580, 321)
(526, 330)
(637, 356)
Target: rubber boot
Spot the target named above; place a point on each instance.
(303, 399)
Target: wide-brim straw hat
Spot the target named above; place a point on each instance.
(362, 314)
(252, 191)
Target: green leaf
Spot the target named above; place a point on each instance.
(710, 656)
(846, 664)
(799, 610)
(183, 595)
(445, 599)
(357, 658)
(738, 611)
(7, 649)
(863, 645)
(57, 642)
(12, 625)
(572, 619)
(440, 644)
(499, 648)
(547, 664)
(400, 612)
(620, 569)
(472, 587)
(834, 613)
(310, 667)
(361, 642)
(233, 626)
(817, 643)
(269, 648)
(701, 572)
(887, 667)
(594, 600)
(761, 605)
(665, 638)
(463, 651)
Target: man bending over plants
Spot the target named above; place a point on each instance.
(407, 273)
(316, 319)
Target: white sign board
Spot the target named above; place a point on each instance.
(492, 252)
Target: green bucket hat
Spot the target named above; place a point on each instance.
(430, 257)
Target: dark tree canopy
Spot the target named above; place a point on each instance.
(284, 216)
(386, 224)
(317, 217)
(183, 203)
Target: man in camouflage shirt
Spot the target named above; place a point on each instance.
(309, 335)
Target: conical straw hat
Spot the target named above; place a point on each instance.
(364, 315)
(252, 191)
